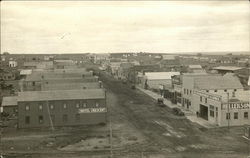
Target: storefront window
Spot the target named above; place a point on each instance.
(211, 110)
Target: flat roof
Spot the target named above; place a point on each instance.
(61, 95)
(9, 101)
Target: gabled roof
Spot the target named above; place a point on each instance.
(35, 63)
(61, 95)
(230, 68)
(63, 61)
(160, 75)
(70, 86)
(194, 66)
(115, 64)
(168, 57)
(25, 72)
(217, 82)
(199, 71)
(46, 75)
(9, 101)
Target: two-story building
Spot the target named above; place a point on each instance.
(61, 108)
(212, 83)
(224, 109)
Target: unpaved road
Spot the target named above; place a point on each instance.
(169, 134)
(160, 134)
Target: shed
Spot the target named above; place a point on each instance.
(9, 105)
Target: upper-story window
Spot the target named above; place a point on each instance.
(84, 105)
(51, 106)
(77, 105)
(40, 106)
(205, 100)
(27, 107)
(236, 115)
(64, 105)
(245, 115)
(40, 119)
(97, 104)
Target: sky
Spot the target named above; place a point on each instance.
(42, 27)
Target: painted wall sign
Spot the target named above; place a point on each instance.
(237, 105)
(213, 97)
(92, 110)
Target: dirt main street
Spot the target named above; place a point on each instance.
(140, 129)
(165, 133)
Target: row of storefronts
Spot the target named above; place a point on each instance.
(224, 103)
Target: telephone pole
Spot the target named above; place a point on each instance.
(228, 114)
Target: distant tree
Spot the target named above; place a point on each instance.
(199, 54)
(6, 53)
(247, 64)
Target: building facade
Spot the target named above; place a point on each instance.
(61, 108)
(222, 110)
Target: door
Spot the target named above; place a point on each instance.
(203, 112)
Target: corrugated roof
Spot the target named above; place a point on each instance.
(231, 68)
(217, 82)
(160, 75)
(61, 95)
(9, 101)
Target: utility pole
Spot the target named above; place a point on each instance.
(111, 145)
(228, 114)
(1, 149)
